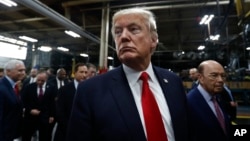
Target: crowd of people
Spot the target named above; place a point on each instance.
(31, 105)
(136, 101)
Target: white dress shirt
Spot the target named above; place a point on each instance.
(136, 87)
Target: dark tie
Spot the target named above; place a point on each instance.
(40, 95)
(219, 114)
(153, 121)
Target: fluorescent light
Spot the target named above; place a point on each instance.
(73, 34)
(45, 48)
(13, 41)
(13, 51)
(201, 47)
(28, 38)
(203, 19)
(248, 48)
(206, 19)
(63, 49)
(216, 37)
(110, 58)
(84, 55)
(8, 3)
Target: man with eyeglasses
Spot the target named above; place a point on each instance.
(209, 119)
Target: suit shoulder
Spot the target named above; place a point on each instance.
(166, 73)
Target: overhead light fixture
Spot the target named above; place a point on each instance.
(84, 55)
(201, 47)
(206, 19)
(110, 58)
(28, 38)
(63, 49)
(8, 3)
(216, 37)
(13, 41)
(248, 48)
(45, 48)
(73, 34)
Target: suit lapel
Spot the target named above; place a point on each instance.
(165, 83)
(11, 90)
(125, 101)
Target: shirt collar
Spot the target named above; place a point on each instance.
(204, 93)
(76, 83)
(133, 75)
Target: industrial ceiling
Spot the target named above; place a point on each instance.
(177, 20)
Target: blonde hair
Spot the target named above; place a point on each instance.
(146, 14)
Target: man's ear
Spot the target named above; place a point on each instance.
(154, 42)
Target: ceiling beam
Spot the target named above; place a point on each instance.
(23, 20)
(58, 18)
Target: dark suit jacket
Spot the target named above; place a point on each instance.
(10, 112)
(53, 81)
(63, 110)
(46, 106)
(104, 108)
(225, 100)
(205, 126)
(26, 82)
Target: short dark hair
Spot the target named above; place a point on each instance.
(79, 65)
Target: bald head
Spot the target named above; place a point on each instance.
(193, 74)
(212, 76)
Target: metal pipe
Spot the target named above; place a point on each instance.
(162, 6)
(74, 3)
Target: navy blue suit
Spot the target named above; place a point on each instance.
(10, 112)
(205, 126)
(104, 108)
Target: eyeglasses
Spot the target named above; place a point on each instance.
(215, 76)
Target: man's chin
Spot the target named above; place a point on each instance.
(127, 57)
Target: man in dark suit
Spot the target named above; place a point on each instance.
(91, 70)
(58, 81)
(193, 74)
(39, 108)
(65, 101)
(111, 106)
(10, 104)
(209, 120)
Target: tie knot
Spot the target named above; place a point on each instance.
(214, 98)
(16, 86)
(144, 76)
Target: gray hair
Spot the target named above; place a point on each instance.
(148, 17)
(10, 65)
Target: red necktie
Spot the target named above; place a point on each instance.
(152, 116)
(16, 89)
(40, 95)
(220, 116)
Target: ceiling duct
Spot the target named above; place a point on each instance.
(56, 17)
